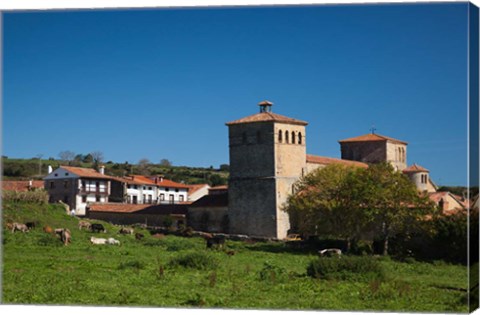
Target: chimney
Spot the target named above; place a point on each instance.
(102, 169)
(50, 169)
(265, 107)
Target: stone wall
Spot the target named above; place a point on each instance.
(209, 219)
(367, 151)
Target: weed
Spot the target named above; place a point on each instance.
(134, 264)
(347, 267)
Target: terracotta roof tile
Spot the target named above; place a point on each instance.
(328, 160)
(139, 209)
(414, 169)
(193, 188)
(21, 185)
(267, 116)
(372, 137)
(222, 187)
(85, 172)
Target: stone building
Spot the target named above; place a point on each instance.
(375, 148)
(267, 155)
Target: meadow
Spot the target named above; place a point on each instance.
(174, 271)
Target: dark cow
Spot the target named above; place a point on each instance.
(97, 227)
(216, 242)
(139, 236)
(30, 225)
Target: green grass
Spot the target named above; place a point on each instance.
(163, 272)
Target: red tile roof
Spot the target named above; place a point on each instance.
(222, 187)
(193, 188)
(372, 137)
(146, 180)
(414, 169)
(327, 160)
(267, 116)
(139, 209)
(170, 183)
(85, 172)
(21, 185)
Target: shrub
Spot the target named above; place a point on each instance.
(271, 272)
(195, 260)
(346, 268)
(49, 240)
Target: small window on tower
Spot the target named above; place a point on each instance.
(280, 136)
(299, 138)
(293, 137)
(286, 136)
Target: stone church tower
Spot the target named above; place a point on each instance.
(267, 156)
(375, 148)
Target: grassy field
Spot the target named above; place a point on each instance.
(38, 269)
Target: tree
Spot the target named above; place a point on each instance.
(346, 202)
(66, 156)
(97, 157)
(87, 158)
(165, 162)
(394, 202)
(225, 167)
(143, 166)
(327, 202)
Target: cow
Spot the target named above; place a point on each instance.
(30, 225)
(329, 252)
(84, 224)
(98, 241)
(97, 227)
(125, 230)
(216, 242)
(9, 225)
(19, 227)
(139, 236)
(112, 241)
(66, 236)
(47, 229)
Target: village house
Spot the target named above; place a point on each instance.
(197, 191)
(77, 186)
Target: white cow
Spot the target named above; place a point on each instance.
(112, 241)
(98, 241)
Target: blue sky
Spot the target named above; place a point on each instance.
(162, 83)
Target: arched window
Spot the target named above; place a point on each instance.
(299, 138)
(399, 155)
(293, 137)
(280, 136)
(426, 178)
(286, 136)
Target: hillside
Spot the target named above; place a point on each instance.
(180, 272)
(26, 169)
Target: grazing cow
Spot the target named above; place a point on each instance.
(139, 236)
(66, 236)
(112, 241)
(97, 227)
(19, 227)
(125, 230)
(216, 242)
(98, 241)
(9, 226)
(85, 225)
(329, 252)
(47, 229)
(230, 252)
(30, 225)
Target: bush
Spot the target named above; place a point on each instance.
(195, 260)
(49, 240)
(271, 272)
(346, 268)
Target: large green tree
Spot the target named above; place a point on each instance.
(347, 202)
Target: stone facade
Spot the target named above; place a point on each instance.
(267, 155)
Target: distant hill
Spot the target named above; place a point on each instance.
(25, 169)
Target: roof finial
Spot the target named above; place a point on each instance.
(265, 106)
(373, 129)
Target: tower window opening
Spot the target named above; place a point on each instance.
(293, 137)
(299, 138)
(286, 136)
(280, 136)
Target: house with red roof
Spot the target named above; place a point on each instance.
(77, 186)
